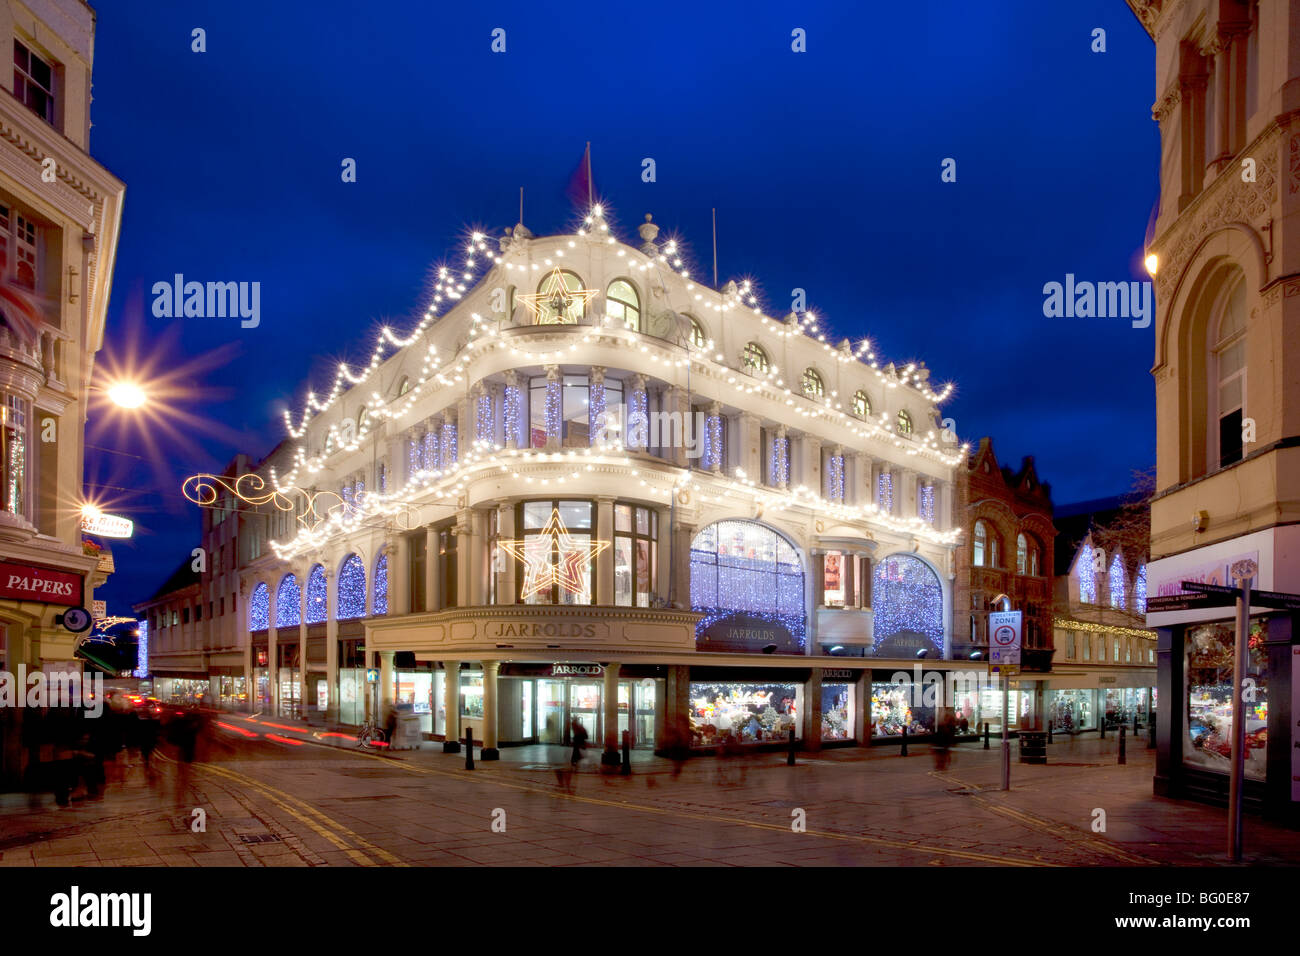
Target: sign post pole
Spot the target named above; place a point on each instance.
(1004, 649)
(1242, 572)
(1006, 739)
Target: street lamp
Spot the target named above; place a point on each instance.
(126, 395)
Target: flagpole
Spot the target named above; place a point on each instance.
(715, 247)
(521, 204)
(590, 201)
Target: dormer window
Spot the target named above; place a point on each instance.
(861, 404)
(754, 359)
(698, 338)
(623, 305)
(812, 384)
(904, 424)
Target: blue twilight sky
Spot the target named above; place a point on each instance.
(824, 167)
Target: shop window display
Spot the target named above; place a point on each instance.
(1209, 699)
(471, 696)
(895, 706)
(837, 711)
(744, 713)
(742, 566)
(1073, 711)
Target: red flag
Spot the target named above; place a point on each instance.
(582, 188)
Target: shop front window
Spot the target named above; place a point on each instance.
(13, 455)
(1209, 650)
(895, 706)
(1072, 711)
(837, 711)
(744, 713)
(745, 574)
(636, 533)
(471, 696)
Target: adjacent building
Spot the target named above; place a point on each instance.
(59, 217)
(1104, 668)
(1226, 267)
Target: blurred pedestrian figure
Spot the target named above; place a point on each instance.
(579, 734)
(944, 736)
(390, 722)
(183, 732)
(146, 736)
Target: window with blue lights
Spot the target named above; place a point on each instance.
(1087, 575)
(317, 604)
(748, 582)
(352, 589)
(1118, 598)
(288, 602)
(259, 608)
(381, 585)
(908, 602)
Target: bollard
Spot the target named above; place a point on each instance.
(1049, 731)
(1122, 728)
(789, 760)
(1135, 724)
(986, 735)
(626, 769)
(469, 748)
(1151, 731)
(1101, 723)
(903, 753)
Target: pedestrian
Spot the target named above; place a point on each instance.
(944, 736)
(147, 740)
(579, 734)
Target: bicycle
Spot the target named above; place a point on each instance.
(371, 735)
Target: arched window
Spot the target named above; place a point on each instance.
(754, 359)
(908, 602)
(981, 545)
(559, 305)
(316, 596)
(352, 589)
(861, 404)
(1022, 555)
(812, 383)
(404, 387)
(381, 585)
(746, 573)
(363, 421)
(1035, 569)
(623, 305)
(1140, 590)
(288, 602)
(1118, 597)
(904, 423)
(1087, 575)
(698, 338)
(259, 608)
(1227, 364)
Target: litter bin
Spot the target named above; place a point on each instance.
(406, 735)
(1033, 746)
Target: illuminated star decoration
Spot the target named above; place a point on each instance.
(572, 564)
(556, 300)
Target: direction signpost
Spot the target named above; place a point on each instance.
(1004, 650)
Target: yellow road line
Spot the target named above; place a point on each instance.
(279, 798)
(1048, 826)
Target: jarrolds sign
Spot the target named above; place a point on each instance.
(743, 634)
(26, 582)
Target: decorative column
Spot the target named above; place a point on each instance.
(637, 426)
(507, 588)
(512, 409)
(331, 612)
(451, 701)
(907, 501)
(464, 551)
(681, 564)
(490, 671)
(451, 433)
(596, 419)
(943, 516)
(675, 404)
(332, 649)
(835, 478)
(812, 711)
(477, 558)
(432, 580)
(749, 446)
(781, 459)
(605, 560)
(387, 695)
(554, 408)
(1219, 47)
(810, 463)
(713, 427)
(610, 758)
(399, 575)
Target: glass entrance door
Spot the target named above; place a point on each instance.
(552, 725)
(584, 707)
